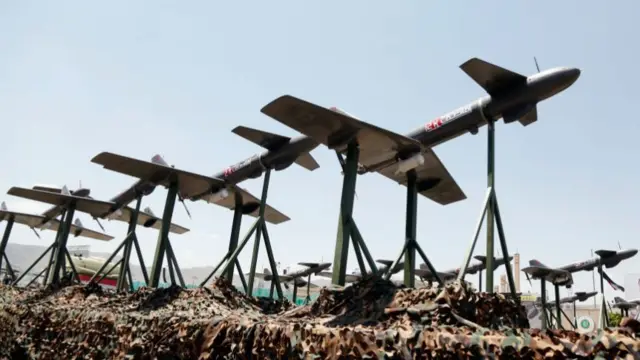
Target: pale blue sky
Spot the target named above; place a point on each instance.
(174, 78)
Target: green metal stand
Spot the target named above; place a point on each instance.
(163, 246)
(233, 245)
(558, 308)
(3, 247)
(411, 244)
(260, 229)
(543, 301)
(492, 211)
(604, 316)
(59, 267)
(28, 270)
(347, 228)
(127, 244)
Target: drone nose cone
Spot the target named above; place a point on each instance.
(632, 252)
(571, 75)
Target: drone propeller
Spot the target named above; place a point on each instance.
(536, 61)
(181, 199)
(35, 232)
(99, 223)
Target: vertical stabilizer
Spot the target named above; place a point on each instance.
(4, 207)
(158, 159)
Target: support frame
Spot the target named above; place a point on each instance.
(127, 244)
(347, 228)
(163, 245)
(260, 232)
(494, 220)
(411, 245)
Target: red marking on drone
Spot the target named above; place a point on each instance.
(433, 124)
(228, 171)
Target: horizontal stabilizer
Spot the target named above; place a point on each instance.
(530, 117)
(265, 139)
(313, 265)
(385, 262)
(250, 204)
(605, 253)
(481, 258)
(494, 79)
(307, 161)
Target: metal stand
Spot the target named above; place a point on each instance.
(233, 245)
(56, 268)
(558, 308)
(347, 228)
(543, 301)
(3, 247)
(604, 316)
(492, 211)
(411, 245)
(164, 245)
(260, 229)
(128, 243)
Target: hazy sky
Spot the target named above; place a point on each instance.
(146, 77)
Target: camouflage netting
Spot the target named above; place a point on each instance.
(372, 319)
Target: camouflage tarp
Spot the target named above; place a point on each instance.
(371, 319)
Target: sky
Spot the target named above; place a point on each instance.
(140, 78)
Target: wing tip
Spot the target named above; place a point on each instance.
(279, 101)
(101, 157)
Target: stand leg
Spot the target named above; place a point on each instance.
(106, 263)
(543, 300)
(254, 257)
(505, 251)
(215, 269)
(387, 275)
(174, 260)
(345, 219)
(357, 238)
(356, 248)
(491, 208)
(143, 267)
(575, 316)
(295, 293)
(567, 318)
(430, 266)
(558, 308)
(113, 267)
(73, 267)
(232, 258)
(45, 278)
(62, 245)
(480, 280)
(24, 273)
(133, 222)
(604, 319)
(35, 278)
(235, 232)
(410, 230)
(476, 234)
(5, 240)
(260, 230)
(9, 267)
(241, 274)
(272, 260)
(163, 236)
